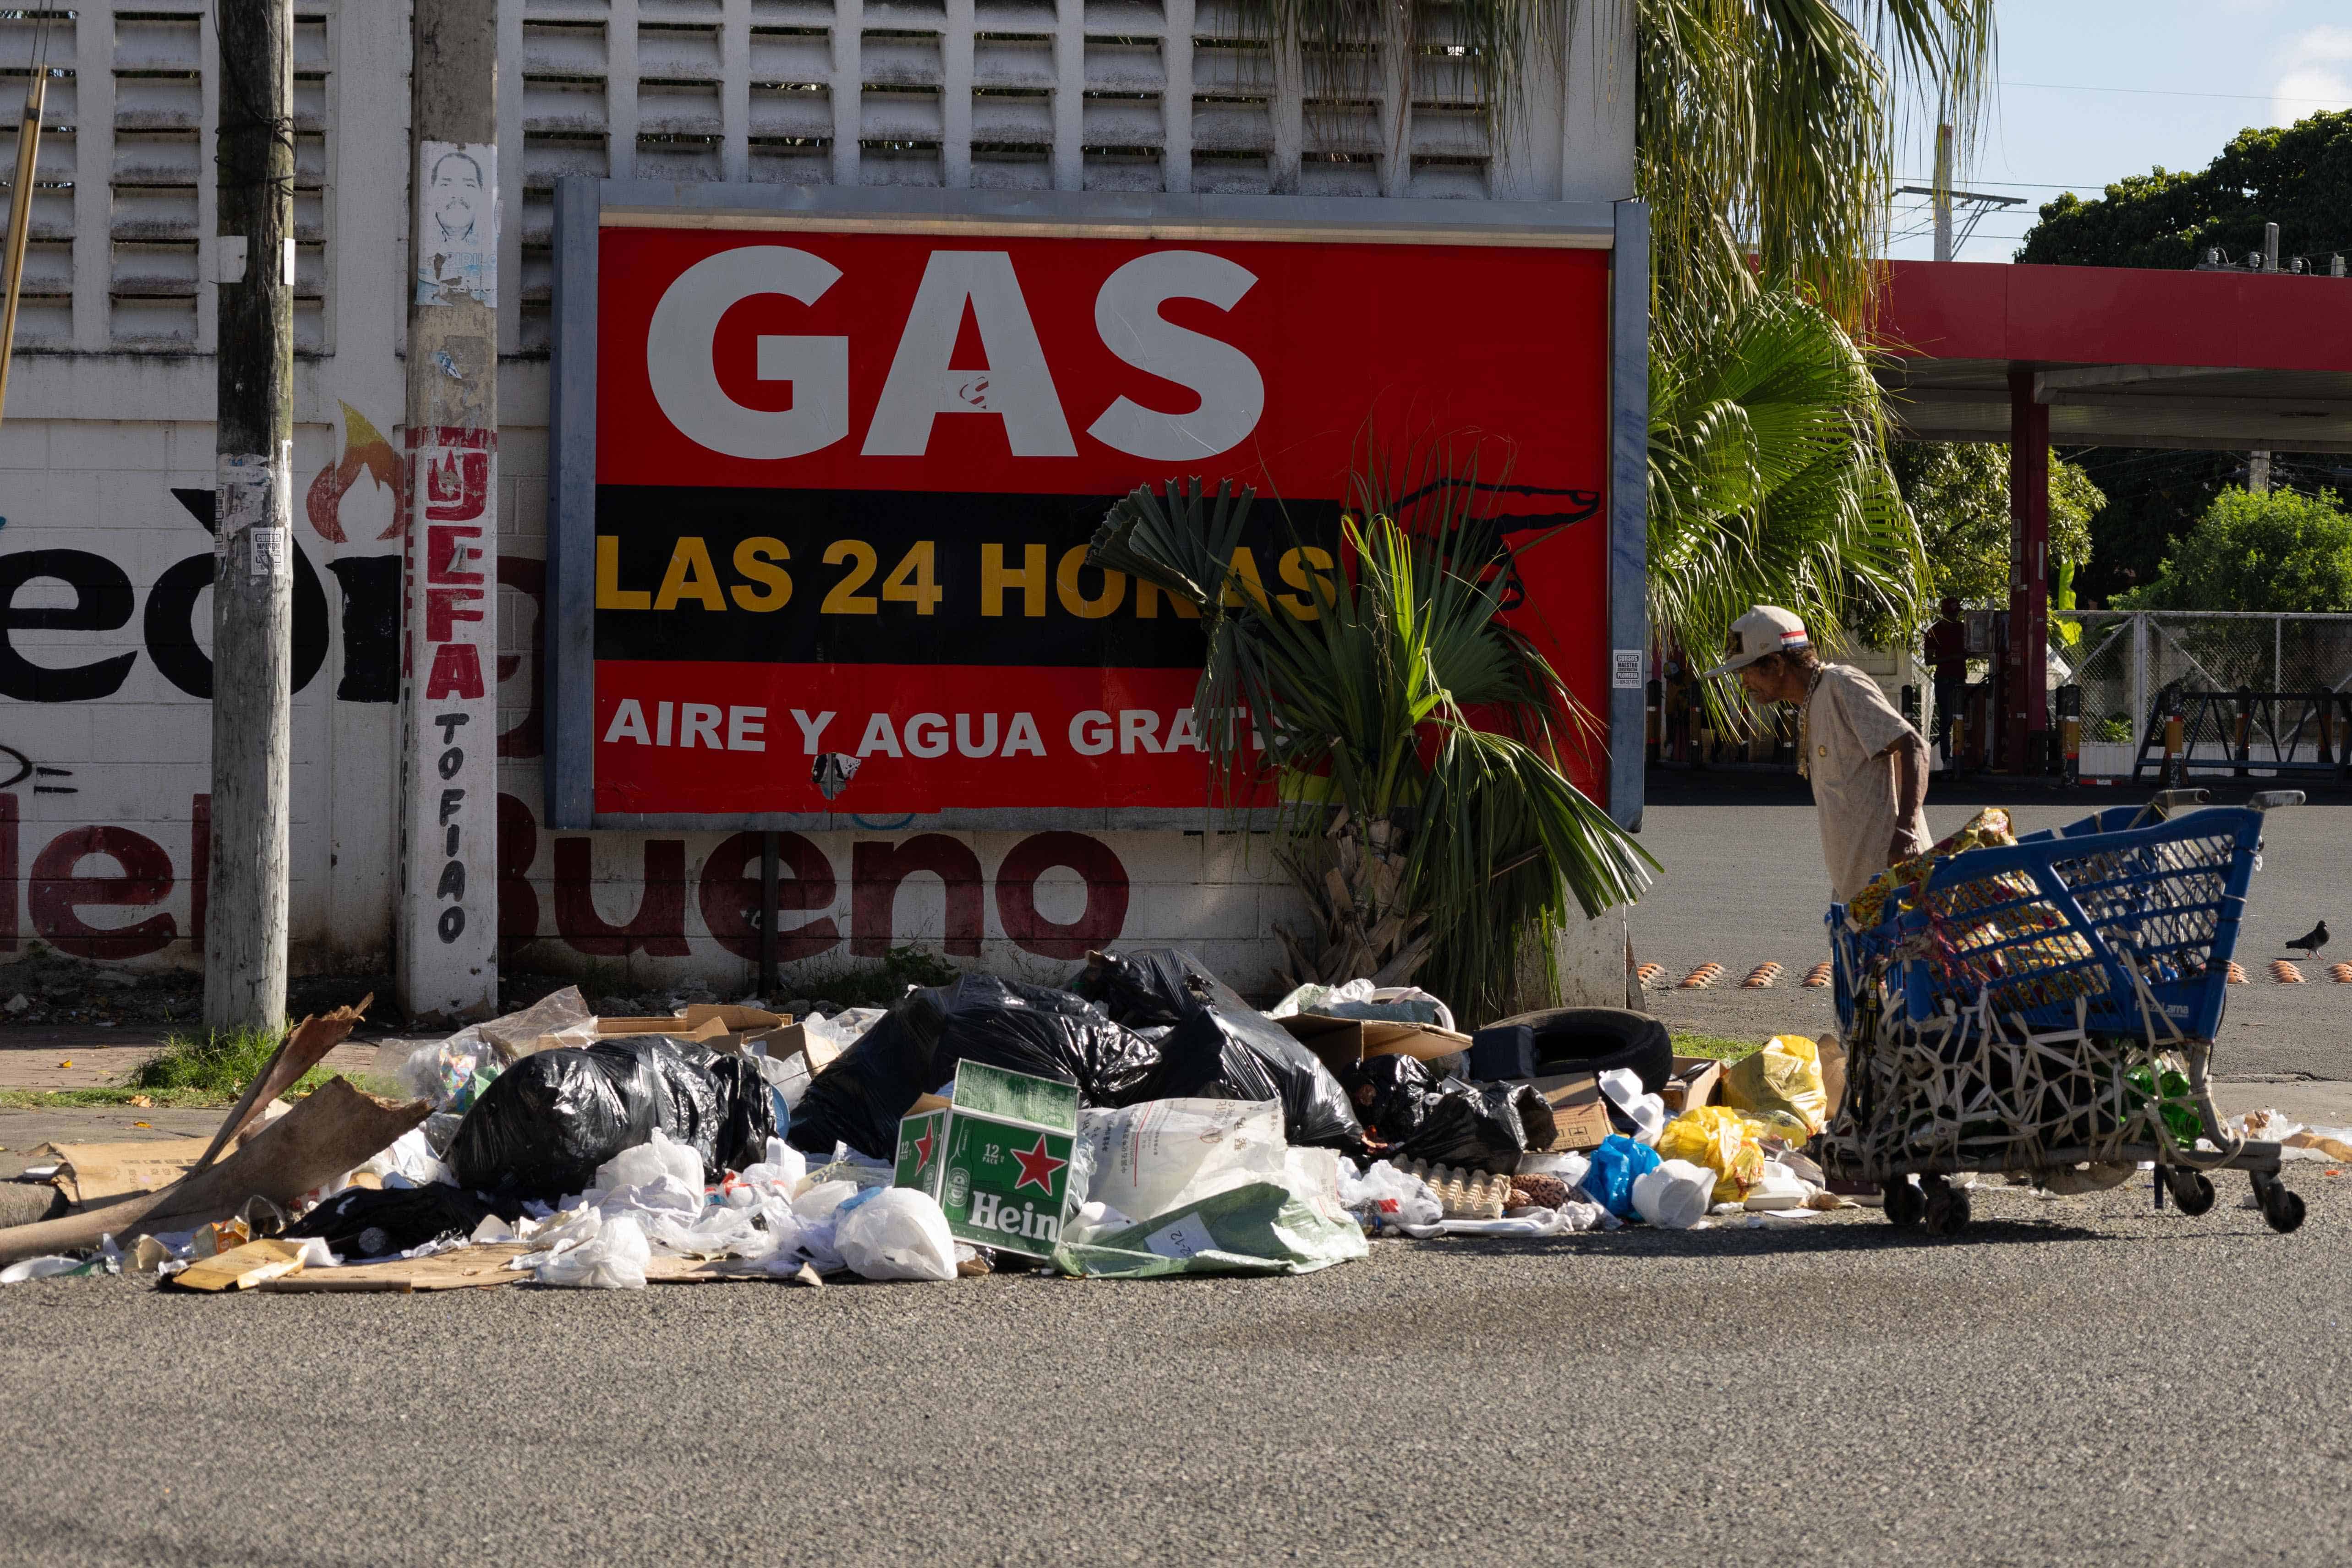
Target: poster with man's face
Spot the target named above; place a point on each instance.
(457, 241)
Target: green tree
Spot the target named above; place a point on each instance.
(1959, 491)
(2283, 551)
(2298, 177)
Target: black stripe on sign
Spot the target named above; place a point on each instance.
(899, 578)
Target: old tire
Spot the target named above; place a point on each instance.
(1589, 1040)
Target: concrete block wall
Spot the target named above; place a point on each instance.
(105, 619)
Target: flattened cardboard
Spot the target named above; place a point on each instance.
(701, 1033)
(88, 1173)
(733, 1017)
(474, 1267)
(1342, 1043)
(241, 1268)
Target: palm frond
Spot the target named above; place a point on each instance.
(1413, 741)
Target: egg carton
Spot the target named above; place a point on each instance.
(1463, 1194)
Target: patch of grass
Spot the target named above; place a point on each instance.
(1716, 1046)
(183, 1098)
(78, 1099)
(220, 1063)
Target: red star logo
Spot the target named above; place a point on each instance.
(1039, 1167)
(923, 1148)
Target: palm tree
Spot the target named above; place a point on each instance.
(1432, 846)
(1766, 138)
(1769, 482)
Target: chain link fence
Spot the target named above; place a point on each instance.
(2125, 659)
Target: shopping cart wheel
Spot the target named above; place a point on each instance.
(1948, 1207)
(1905, 1204)
(2281, 1209)
(2193, 1190)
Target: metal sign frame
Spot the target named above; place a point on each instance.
(585, 205)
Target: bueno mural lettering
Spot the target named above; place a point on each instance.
(850, 900)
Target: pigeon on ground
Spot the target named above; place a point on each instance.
(2312, 941)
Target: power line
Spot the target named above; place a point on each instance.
(2023, 185)
(2167, 93)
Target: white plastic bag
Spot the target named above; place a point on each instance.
(1624, 1086)
(1674, 1195)
(844, 1028)
(1163, 1155)
(646, 1163)
(411, 1159)
(814, 1205)
(596, 1254)
(1568, 1165)
(37, 1269)
(895, 1233)
(1385, 1199)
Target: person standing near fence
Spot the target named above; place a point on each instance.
(1868, 768)
(1948, 650)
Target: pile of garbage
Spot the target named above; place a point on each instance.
(1142, 1121)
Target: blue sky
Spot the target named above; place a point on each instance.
(2092, 90)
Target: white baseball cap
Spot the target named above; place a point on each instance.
(1765, 628)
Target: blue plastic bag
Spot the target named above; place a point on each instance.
(1615, 1164)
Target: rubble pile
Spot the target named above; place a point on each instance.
(1142, 1121)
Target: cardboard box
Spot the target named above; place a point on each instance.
(1694, 1084)
(996, 1155)
(1342, 1043)
(1579, 1111)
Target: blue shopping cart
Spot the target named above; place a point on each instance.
(2016, 1011)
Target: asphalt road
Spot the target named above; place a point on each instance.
(1744, 884)
(2080, 1381)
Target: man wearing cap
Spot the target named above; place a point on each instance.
(1868, 768)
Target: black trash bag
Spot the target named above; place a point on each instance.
(1218, 1055)
(869, 1086)
(918, 1045)
(1221, 1047)
(1150, 985)
(362, 1222)
(546, 1123)
(1448, 1121)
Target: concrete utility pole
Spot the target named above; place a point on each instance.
(253, 580)
(448, 930)
(1943, 181)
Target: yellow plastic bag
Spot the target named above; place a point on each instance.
(1786, 1075)
(1723, 1140)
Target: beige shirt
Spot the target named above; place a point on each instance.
(1849, 724)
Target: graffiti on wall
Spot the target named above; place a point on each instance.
(109, 890)
(102, 598)
(80, 908)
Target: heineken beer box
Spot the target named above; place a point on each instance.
(996, 1156)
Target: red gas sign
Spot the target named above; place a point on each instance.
(845, 483)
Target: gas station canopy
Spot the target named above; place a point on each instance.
(2119, 356)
